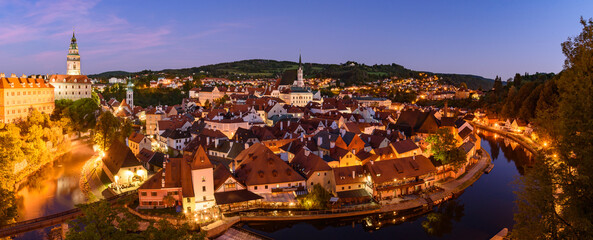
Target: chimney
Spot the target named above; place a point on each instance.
(12, 75)
(216, 142)
(281, 126)
(353, 174)
(307, 153)
(319, 140)
(2, 75)
(246, 145)
(288, 124)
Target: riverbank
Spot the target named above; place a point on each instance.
(532, 147)
(451, 189)
(55, 156)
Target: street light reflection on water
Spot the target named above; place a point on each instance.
(55, 188)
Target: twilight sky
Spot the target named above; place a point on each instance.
(485, 38)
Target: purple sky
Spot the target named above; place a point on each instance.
(485, 38)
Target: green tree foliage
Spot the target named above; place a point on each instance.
(168, 200)
(536, 217)
(154, 96)
(440, 222)
(106, 130)
(11, 152)
(517, 80)
(318, 198)
(547, 108)
(82, 112)
(24, 148)
(8, 207)
(497, 84)
(76, 115)
(443, 146)
(126, 129)
(97, 222)
(165, 230)
(568, 214)
(102, 220)
(207, 104)
(349, 73)
(529, 105)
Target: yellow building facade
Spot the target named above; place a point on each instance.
(18, 95)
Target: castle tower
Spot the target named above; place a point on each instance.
(73, 59)
(299, 82)
(130, 94)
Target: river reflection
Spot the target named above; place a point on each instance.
(479, 213)
(53, 189)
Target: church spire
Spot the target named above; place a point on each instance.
(300, 62)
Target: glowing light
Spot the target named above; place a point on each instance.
(555, 155)
(116, 178)
(545, 144)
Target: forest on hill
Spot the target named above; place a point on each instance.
(349, 73)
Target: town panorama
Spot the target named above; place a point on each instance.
(265, 149)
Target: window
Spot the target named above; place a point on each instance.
(318, 174)
(266, 187)
(255, 188)
(342, 188)
(204, 198)
(143, 194)
(153, 194)
(187, 200)
(203, 188)
(311, 183)
(230, 186)
(349, 187)
(203, 179)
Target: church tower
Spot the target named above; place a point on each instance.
(130, 94)
(299, 82)
(73, 59)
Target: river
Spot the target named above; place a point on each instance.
(54, 188)
(480, 212)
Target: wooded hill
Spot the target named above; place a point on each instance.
(349, 73)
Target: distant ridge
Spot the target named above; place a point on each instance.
(348, 73)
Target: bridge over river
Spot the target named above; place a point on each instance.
(49, 220)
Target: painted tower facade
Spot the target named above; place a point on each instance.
(130, 94)
(299, 82)
(73, 59)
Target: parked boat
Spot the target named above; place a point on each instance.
(489, 168)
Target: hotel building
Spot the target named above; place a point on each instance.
(18, 95)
